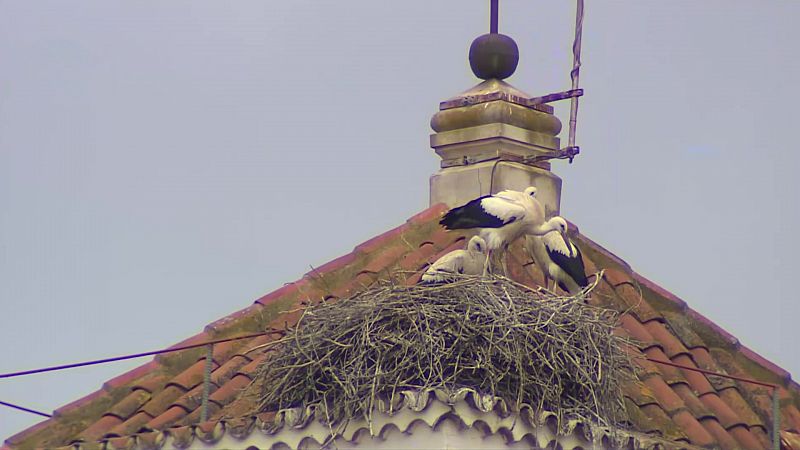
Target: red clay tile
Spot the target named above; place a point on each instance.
(723, 438)
(694, 430)
(250, 368)
(737, 403)
(224, 350)
(96, 430)
(724, 335)
(696, 407)
(194, 398)
(781, 373)
(665, 395)
(384, 259)
(130, 426)
(697, 380)
(130, 375)
(130, 404)
(671, 345)
(182, 436)
(331, 266)
(660, 291)
(380, 240)
(637, 331)
(791, 416)
(762, 437)
(747, 440)
(227, 370)
(122, 443)
(168, 417)
(418, 258)
(286, 289)
(190, 377)
(632, 297)
(81, 402)
(602, 250)
(435, 212)
(658, 420)
(442, 238)
(228, 391)
(161, 401)
(615, 277)
(25, 434)
(670, 374)
(150, 440)
(151, 384)
(218, 326)
(194, 417)
(726, 416)
(365, 279)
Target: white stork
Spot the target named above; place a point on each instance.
(502, 218)
(559, 259)
(467, 262)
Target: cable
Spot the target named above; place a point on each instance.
(27, 410)
(124, 357)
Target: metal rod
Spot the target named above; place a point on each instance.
(494, 16)
(27, 410)
(555, 97)
(576, 70)
(123, 358)
(206, 382)
(776, 420)
(708, 372)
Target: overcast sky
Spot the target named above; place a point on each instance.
(162, 164)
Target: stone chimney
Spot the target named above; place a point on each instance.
(489, 137)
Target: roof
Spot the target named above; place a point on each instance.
(161, 399)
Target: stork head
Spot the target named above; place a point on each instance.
(476, 244)
(559, 225)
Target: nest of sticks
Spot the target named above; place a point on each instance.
(493, 335)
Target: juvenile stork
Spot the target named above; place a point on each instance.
(560, 261)
(467, 262)
(502, 218)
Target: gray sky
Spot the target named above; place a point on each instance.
(162, 164)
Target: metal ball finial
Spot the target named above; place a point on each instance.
(493, 55)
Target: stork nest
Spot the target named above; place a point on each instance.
(496, 336)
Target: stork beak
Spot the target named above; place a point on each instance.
(568, 244)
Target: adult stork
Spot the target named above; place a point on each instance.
(502, 218)
(560, 261)
(470, 261)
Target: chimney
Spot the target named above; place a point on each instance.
(490, 136)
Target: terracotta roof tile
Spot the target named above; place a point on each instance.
(130, 375)
(671, 345)
(727, 417)
(161, 401)
(130, 404)
(693, 429)
(190, 377)
(746, 439)
(168, 417)
(101, 427)
(130, 426)
(667, 398)
(721, 435)
(697, 381)
(379, 241)
(679, 404)
(83, 401)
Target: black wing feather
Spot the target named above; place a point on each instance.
(472, 215)
(573, 266)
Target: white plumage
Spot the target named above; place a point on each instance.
(470, 261)
(503, 218)
(559, 259)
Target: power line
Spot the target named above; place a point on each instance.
(124, 357)
(27, 410)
